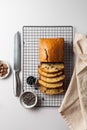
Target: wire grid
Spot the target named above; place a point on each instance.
(31, 36)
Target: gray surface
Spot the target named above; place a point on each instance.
(13, 15)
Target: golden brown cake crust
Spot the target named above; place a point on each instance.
(51, 91)
(51, 50)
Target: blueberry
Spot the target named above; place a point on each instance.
(31, 80)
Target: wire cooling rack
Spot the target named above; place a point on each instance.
(31, 36)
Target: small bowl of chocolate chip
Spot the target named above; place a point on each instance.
(4, 69)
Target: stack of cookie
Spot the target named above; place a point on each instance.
(51, 68)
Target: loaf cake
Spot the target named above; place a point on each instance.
(51, 68)
(51, 50)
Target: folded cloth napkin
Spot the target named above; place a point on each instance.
(74, 105)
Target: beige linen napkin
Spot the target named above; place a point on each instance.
(74, 105)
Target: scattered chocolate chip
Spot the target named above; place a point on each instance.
(36, 87)
(42, 98)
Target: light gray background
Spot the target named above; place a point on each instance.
(13, 15)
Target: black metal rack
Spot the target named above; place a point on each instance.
(31, 36)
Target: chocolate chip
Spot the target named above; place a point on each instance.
(51, 66)
(42, 98)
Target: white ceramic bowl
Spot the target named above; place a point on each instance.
(22, 99)
(5, 76)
